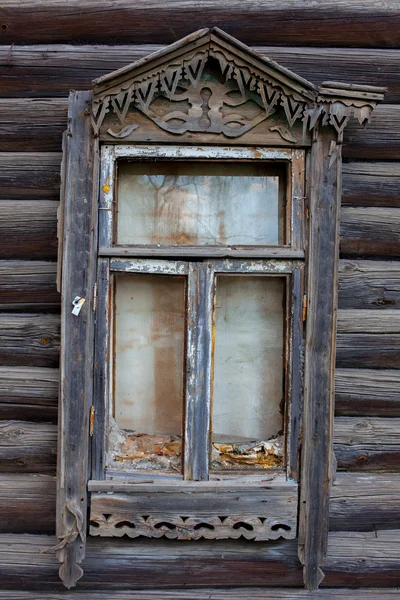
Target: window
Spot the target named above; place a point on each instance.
(200, 346)
(200, 203)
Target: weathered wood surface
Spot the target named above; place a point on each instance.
(32, 125)
(30, 175)
(359, 501)
(28, 229)
(27, 447)
(380, 140)
(364, 23)
(27, 503)
(211, 594)
(367, 444)
(29, 339)
(365, 502)
(29, 393)
(357, 559)
(53, 69)
(77, 331)
(368, 351)
(28, 285)
(371, 183)
(369, 284)
(368, 321)
(36, 125)
(367, 392)
(370, 231)
(318, 413)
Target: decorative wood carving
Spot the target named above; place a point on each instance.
(194, 528)
(175, 90)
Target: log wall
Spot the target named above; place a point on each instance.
(48, 50)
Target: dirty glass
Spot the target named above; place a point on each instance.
(200, 203)
(248, 371)
(148, 368)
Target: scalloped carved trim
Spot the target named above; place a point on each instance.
(193, 528)
(183, 81)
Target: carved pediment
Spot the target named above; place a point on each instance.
(210, 83)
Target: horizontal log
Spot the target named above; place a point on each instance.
(371, 183)
(53, 69)
(27, 447)
(364, 23)
(370, 231)
(211, 594)
(369, 284)
(365, 502)
(28, 229)
(357, 559)
(27, 503)
(368, 351)
(30, 175)
(28, 393)
(29, 339)
(368, 321)
(367, 392)
(32, 125)
(36, 125)
(380, 140)
(367, 444)
(28, 285)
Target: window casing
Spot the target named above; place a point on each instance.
(219, 101)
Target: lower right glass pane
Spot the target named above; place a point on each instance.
(247, 412)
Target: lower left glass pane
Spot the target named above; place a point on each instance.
(149, 344)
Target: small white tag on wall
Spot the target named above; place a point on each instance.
(78, 302)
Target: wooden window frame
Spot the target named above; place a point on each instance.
(118, 109)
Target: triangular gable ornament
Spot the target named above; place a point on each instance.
(210, 83)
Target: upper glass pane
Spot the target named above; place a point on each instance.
(200, 203)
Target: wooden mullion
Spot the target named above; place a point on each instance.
(200, 306)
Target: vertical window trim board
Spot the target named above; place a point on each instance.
(324, 192)
(77, 331)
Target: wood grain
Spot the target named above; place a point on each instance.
(364, 23)
(28, 393)
(369, 284)
(27, 503)
(30, 175)
(28, 285)
(323, 254)
(211, 594)
(29, 339)
(367, 444)
(370, 231)
(28, 229)
(368, 321)
(53, 69)
(77, 331)
(371, 183)
(368, 351)
(365, 502)
(27, 447)
(357, 559)
(367, 392)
